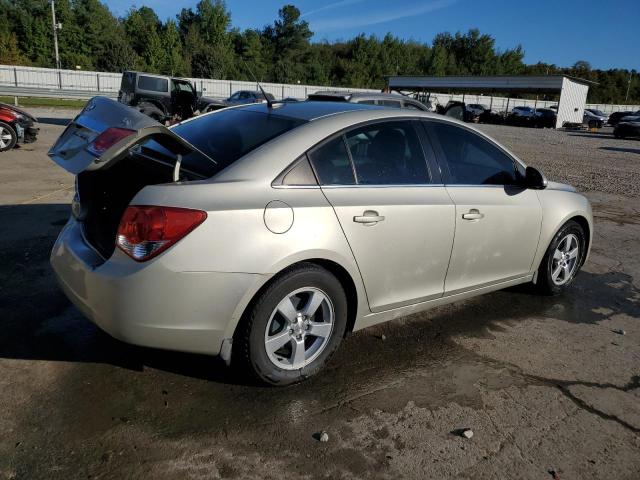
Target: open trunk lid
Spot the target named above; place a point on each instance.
(74, 150)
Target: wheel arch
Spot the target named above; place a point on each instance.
(341, 273)
(581, 220)
(584, 223)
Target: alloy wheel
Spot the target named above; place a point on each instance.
(565, 259)
(5, 137)
(299, 328)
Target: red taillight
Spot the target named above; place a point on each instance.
(107, 139)
(144, 232)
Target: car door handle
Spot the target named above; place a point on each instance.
(474, 214)
(369, 217)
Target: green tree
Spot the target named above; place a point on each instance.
(289, 37)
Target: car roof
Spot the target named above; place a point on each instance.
(309, 110)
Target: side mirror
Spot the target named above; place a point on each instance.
(533, 178)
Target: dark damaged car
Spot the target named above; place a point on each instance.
(16, 127)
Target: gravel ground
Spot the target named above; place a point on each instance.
(545, 384)
(589, 161)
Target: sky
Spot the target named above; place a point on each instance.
(604, 33)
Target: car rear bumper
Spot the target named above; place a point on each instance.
(148, 304)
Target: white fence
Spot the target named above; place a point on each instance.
(104, 83)
(49, 82)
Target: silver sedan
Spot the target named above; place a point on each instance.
(265, 233)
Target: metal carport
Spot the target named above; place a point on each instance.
(573, 91)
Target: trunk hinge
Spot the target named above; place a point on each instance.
(176, 169)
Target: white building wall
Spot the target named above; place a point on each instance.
(573, 99)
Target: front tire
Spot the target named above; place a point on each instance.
(293, 328)
(563, 259)
(8, 137)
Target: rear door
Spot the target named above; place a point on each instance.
(397, 217)
(497, 220)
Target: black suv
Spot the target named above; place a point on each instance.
(165, 99)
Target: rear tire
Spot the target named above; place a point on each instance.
(562, 260)
(293, 328)
(8, 137)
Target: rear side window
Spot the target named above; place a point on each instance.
(153, 84)
(388, 153)
(332, 164)
(367, 102)
(471, 159)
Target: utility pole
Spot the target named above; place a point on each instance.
(626, 98)
(56, 27)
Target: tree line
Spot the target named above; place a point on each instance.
(202, 42)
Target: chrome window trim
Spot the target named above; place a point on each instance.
(402, 185)
(301, 187)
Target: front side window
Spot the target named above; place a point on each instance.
(332, 164)
(471, 159)
(153, 84)
(388, 153)
(181, 86)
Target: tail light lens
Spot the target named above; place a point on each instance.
(107, 139)
(145, 232)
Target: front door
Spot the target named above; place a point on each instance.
(398, 223)
(497, 220)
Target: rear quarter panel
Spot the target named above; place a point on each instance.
(235, 238)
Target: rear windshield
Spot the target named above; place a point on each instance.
(226, 136)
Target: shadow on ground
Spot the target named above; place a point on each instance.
(620, 149)
(591, 135)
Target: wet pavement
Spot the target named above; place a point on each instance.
(545, 383)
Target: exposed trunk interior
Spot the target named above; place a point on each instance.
(106, 193)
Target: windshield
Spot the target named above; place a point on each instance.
(597, 112)
(225, 136)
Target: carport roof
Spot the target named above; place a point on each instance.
(506, 84)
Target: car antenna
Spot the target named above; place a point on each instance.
(264, 94)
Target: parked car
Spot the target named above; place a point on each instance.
(163, 98)
(599, 114)
(476, 108)
(615, 117)
(525, 112)
(382, 99)
(16, 127)
(545, 118)
(627, 127)
(242, 97)
(242, 234)
(459, 111)
(593, 120)
(521, 117)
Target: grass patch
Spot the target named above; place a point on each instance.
(44, 102)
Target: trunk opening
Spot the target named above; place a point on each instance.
(106, 193)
